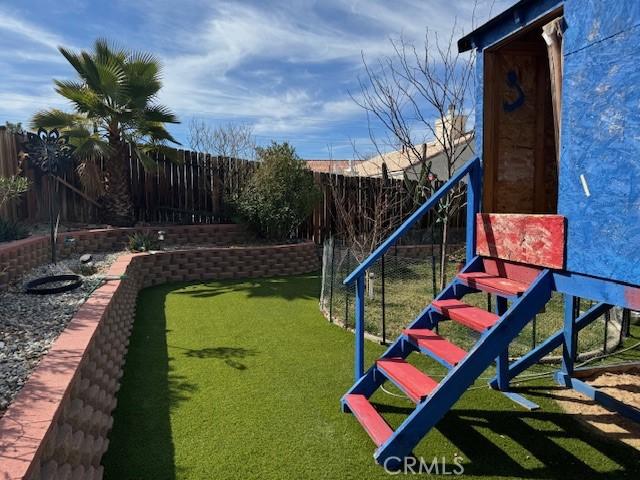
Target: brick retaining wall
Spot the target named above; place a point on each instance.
(21, 256)
(57, 426)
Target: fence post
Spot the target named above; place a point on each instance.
(333, 249)
(384, 323)
(346, 293)
(359, 328)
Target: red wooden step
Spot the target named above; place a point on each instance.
(376, 426)
(412, 381)
(441, 348)
(493, 283)
(472, 317)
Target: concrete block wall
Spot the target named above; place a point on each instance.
(58, 424)
(23, 255)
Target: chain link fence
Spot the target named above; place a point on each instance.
(405, 281)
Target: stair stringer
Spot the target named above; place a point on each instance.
(428, 318)
(461, 377)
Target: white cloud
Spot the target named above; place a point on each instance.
(284, 66)
(11, 23)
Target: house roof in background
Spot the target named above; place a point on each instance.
(329, 166)
(398, 161)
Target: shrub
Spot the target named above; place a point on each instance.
(280, 195)
(10, 231)
(12, 187)
(142, 242)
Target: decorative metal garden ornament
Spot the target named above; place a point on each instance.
(52, 153)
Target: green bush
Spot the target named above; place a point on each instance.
(12, 187)
(142, 242)
(280, 195)
(10, 231)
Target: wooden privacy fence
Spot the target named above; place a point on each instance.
(196, 190)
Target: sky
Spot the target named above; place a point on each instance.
(287, 68)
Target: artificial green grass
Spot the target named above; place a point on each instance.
(242, 380)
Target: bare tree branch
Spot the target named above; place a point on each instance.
(230, 140)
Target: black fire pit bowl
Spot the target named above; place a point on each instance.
(58, 284)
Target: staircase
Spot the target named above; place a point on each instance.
(528, 288)
(514, 258)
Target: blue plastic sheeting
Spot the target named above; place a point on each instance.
(600, 160)
(592, 21)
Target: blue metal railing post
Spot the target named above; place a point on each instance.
(570, 343)
(474, 195)
(359, 311)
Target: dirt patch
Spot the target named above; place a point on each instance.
(625, 387)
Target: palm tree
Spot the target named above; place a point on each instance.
(115, 109)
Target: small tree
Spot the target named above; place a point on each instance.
(280, 195)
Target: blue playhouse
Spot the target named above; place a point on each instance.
(553, 205)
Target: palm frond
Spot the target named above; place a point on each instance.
(148, 163)
(92, 77)
(55, 118)
(157, 133)
(113, 80)
(91, 147)
(105, 51)
(169, 153)
(75, 60)
(84, 99)
(91, 176)
(160, 114)
(144, 58)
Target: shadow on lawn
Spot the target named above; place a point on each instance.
(141, 442)
(486, 456)
(256, 287)
(230, 355)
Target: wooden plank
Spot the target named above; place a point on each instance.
(530, 239)
(490, 122)
(542, 90)
(436, 346)
(377, 428)
(416, 384)
(515, 271)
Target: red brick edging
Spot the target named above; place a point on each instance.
(57, 425)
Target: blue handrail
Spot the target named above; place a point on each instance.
(473, 168)
(467, 168)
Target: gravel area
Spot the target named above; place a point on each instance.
(29, 324)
